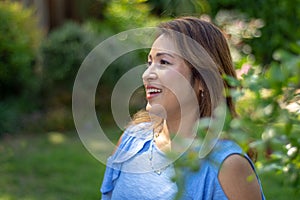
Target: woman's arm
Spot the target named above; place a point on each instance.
(238, 179)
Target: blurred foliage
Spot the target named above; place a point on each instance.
(121, 15)
(128, 14)
(63, 52)
(269, 105)
(238, 28)
(90, 9)
(167, 8)
(19, 41)
(19, 73)
(281, 23)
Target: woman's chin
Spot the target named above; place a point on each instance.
(156, 110)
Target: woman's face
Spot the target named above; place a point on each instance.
(167, 81)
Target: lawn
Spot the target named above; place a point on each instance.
(56, 166)
(51, 166)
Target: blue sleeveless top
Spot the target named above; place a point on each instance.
(140, 170)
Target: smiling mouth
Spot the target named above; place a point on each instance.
(152, 91)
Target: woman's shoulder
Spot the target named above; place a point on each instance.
(223, 149)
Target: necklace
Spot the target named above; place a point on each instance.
(157, 171)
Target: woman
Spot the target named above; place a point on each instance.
(183, 84)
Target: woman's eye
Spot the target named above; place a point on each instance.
(161, 62)
(164, 62)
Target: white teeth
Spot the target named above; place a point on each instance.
(153, 90)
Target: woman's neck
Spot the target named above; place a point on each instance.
(182, 125)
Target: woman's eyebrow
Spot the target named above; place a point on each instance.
(160, 54)
(163, 53)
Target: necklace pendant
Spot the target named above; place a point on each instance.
(158, 172)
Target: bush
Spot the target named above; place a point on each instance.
(63, 52)
(19, 80)
(19, 41)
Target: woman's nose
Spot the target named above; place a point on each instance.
(149, 74)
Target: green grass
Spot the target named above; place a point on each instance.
(57, 167)
(51, 166)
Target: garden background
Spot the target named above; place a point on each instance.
(43, 43)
